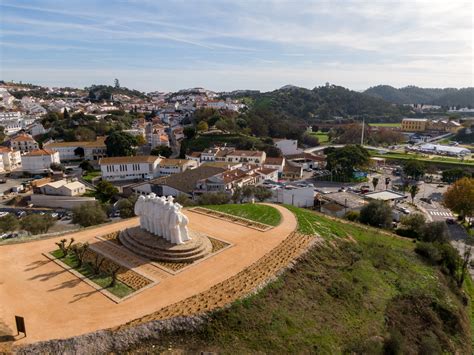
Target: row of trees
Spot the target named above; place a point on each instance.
(33, 223)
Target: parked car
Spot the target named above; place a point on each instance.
(450, 221)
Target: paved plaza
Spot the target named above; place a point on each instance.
(56, 304)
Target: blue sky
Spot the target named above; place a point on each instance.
(227, 45)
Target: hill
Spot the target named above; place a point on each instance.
(323, 103)
(416, 95)
(358, 290)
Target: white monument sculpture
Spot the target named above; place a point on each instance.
(162, 217)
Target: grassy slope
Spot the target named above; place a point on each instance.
(343, 296)
(254, 212)
(322, 137)
(439, 160)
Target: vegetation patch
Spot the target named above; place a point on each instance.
(102, 279)
(255, 212)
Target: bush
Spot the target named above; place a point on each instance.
(428, 251)
(352, 216)
(126, 207)
(435, 232)
(376, 213)
(414, 224)
(89, 214)
(8, 223)
(218, 198)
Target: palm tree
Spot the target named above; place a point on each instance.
(375, 182)
(414, 189)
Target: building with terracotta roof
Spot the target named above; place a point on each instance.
(24, 143)
(94, 150)
(175, 166)
(128, 168)
(39, 160)
(275, 163)
(246, 156)
(11, 159)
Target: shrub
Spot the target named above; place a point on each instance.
(218, 198)
(8, 223)
(376, 213)
(428, 251)
(36, 223)
(89, 214)
(352, 216)
(435, 232)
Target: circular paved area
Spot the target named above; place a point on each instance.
(56, 304)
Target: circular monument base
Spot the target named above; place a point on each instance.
(155, 248)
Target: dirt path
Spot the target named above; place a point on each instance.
(56, 304)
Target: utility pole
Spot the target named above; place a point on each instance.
(362, 134)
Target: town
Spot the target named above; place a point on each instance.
(245, 177)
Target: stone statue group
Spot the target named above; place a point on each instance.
(162, 217)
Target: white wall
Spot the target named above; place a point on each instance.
(301, 197)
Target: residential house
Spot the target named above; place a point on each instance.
(39, 160)
(291, 172)
(130, 168)
(63, 188)
(246, 156)
(179, 184)
(287, 146)
(11, 159)
(24, 143)
(175, 166)
(275, 163)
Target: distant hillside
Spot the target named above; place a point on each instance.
(324, 103)
(415, 95)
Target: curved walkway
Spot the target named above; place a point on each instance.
(56, 304)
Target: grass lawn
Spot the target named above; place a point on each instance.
(390, 124)
(255, 212)
(344, 296)
(441, 160)
(322, 136)
(91, 175)
(103, 280)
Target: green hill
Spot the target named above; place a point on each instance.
(359, 290)
(416, 95)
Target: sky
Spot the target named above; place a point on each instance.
(227, 45)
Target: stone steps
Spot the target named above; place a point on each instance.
(157, 249)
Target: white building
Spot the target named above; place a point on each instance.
(39, 160)
(275, 163)
(175, 166)
(80, 150)
(63, 188)
(138, 167)
(24, 143)
(11, 159)
(246, 156)
(287, 146)
(297, 196)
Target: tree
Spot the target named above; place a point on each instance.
(89, 214)
(435, 232)
(126, 207)
(460, 197)
(189, 132)
(414, 222)
(414, 189)
(262, 193)
(184, 200)
(162, 150)
(66, 115)
(79, 251)
(414, 169)
(237, 195)
(247, 192)
(57, 167)
(116, 83)
(86, 166)
(64, 247)
(8, 223)
(113, 275)
(105, 191)
(2, 134)
(377, 213)
(97, 265)
(79, 151)
(345, 160)
(202, 126)
(454, 174)
(213, 198)
(120, 144)
(375, 182)
(310, 140)
(36, 223)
